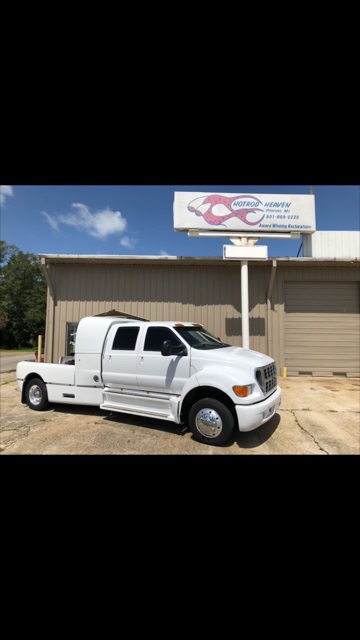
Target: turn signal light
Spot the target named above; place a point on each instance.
(242, 392)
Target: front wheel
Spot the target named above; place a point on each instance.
(36, 395)
(210, 421)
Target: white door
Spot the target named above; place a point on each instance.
(119, 357)
(161, 373)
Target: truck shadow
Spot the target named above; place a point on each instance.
(149, 423)
(249, 440)
(253, 439)
(244, 440)
(120, 418)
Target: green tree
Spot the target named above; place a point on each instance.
(22, 298)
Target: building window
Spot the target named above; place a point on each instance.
(71, 329)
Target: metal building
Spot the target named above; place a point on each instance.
(304, 312)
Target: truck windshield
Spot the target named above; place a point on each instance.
(200, 338)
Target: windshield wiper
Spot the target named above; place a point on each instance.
(209, 345)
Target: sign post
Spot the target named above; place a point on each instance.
(245, 304)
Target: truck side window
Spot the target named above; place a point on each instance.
(156, 335)
(125, 339)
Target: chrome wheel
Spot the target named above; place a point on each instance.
(35, 395)
(209, 423)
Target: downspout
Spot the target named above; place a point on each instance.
(268, 310)
(45, 268)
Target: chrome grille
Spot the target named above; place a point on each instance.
(266, 377)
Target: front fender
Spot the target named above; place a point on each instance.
(225, 378)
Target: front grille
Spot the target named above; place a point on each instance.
(266, 377)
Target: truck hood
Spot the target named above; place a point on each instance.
(231, 356)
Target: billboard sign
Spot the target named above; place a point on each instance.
(263, 213)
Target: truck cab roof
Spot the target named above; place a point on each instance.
(92, 330)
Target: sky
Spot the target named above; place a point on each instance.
(138, 219)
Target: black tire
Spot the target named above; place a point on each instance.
(211, 422)
(36, 396)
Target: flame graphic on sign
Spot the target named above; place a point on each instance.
(210, 208)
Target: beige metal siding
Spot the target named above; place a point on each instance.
(304, 272)
(201, 293)
(322, 328)
(202, 290)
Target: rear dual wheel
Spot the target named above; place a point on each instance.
(36, 396)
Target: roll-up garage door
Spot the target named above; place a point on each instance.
(322, 328)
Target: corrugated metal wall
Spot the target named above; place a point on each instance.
(307, 274)
(322, 328)
(199, 291)
(332, 244)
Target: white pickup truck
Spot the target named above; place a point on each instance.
(174, 371)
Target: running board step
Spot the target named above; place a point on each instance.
(163, 415)
(153, 405)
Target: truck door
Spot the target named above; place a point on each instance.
(157, 372)
(119, 357)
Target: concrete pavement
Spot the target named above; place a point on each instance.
(318, 416)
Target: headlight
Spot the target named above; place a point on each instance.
(243, 391)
